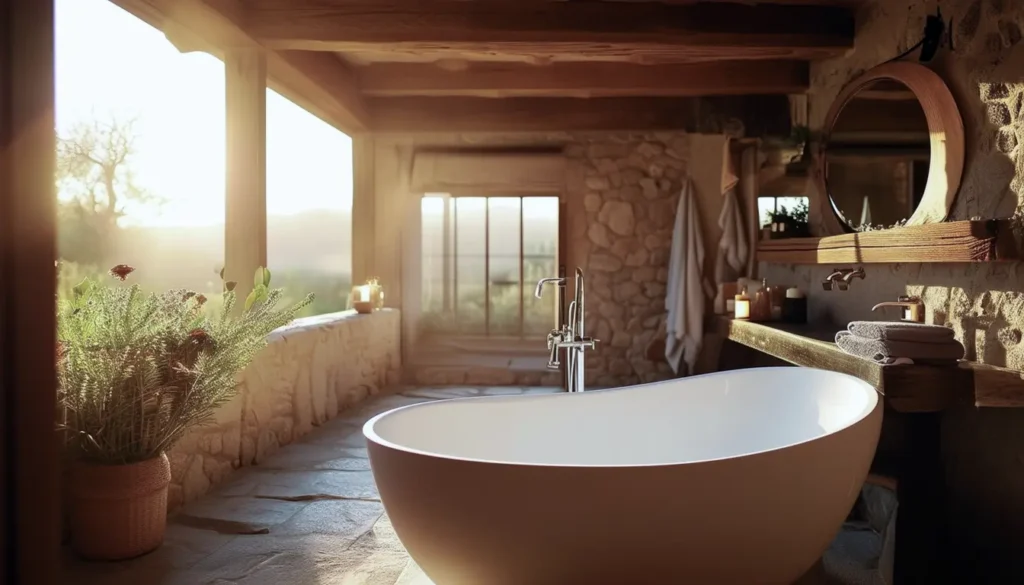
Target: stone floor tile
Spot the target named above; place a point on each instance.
(541, 390)
(413, 575)
(317, 559)
(349, 518)
(502, 391)
(255, 512)
(311, 456)
(373, 407)
(304, 484)
(183, 548)
(444, 392)
(338, 433)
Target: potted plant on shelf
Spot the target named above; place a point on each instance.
(136, 371)
(790, 223)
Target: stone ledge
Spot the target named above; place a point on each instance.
(326, 320)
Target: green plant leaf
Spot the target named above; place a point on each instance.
(262, 277)
(250, 300)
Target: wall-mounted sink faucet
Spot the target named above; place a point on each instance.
(840, 278)
(849, 276)
(570, 337)
(913, 308)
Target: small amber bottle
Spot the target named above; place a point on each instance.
(761, 306)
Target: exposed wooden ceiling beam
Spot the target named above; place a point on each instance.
(321, 84)
(694, 31)
(591, 79)
(761, 115)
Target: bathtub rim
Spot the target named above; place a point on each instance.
(873, 394)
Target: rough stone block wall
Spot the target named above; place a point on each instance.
(983, 449)
(622, 191)
(309, 372)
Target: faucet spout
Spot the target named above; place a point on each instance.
(849, 276)
(538, 292)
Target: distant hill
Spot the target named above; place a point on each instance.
(173, 257)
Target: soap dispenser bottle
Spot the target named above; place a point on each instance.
(761, 307)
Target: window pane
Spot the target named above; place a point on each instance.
(504, 265)
(309, 206)
(470, 264)
(432, 210)
(540, 260)
(154, 117)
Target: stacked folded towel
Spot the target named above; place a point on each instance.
(898, 342)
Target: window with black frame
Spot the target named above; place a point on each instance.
(480, 259)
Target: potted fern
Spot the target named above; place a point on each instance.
(136, 371)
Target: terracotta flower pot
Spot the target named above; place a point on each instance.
(119, 511)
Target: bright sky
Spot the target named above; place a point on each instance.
(109, 63)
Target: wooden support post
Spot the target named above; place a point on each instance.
(30, 503)
(245, 220)
(363, 205)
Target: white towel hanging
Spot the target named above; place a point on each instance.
(687, 287)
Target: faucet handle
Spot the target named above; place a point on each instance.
(554, 339)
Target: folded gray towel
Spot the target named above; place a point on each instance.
(901, 331)
(886, 352)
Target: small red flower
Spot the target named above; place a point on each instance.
(121, 271)
(201, 299)
(200, 337)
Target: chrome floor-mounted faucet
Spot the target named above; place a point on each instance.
(570, 337)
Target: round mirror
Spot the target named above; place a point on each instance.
(888, 157)
(877, 157)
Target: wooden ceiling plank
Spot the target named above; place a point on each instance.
(592, 79)
(726, 29)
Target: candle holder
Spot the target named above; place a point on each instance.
(367, 298)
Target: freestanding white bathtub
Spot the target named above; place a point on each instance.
(735, 478)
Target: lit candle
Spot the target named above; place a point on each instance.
(742, 305)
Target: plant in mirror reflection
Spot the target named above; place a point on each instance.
(870, 227)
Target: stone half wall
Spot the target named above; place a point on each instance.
(983, 449)
(309, 372)
(621, 194)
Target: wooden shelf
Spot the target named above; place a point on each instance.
(907, 388)
(956, 241)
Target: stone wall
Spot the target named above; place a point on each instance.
(983, 449)
(621, 194)
(310, 371)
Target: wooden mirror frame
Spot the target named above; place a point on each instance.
(946, 130)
